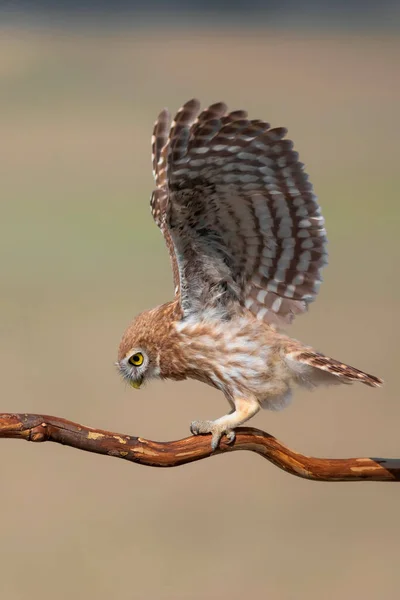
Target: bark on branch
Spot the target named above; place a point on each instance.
(43, 428)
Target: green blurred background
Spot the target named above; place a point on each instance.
(80, 256)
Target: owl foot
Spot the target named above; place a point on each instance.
(216, 429)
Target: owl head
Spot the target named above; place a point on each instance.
(149, 349)
(139, 355)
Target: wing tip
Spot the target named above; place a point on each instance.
(373, 381)
(193, 105)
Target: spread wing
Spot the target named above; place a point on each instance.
(238, 214)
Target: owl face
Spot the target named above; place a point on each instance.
(137, 366)
(149, 348)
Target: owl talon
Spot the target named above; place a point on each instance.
(217, 431)
(231, 436)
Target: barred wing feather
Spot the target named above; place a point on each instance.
(238, 213)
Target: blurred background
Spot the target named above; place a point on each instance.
(80, 86)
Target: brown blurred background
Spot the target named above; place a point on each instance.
(80, 256)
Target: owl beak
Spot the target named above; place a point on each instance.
(136, 383)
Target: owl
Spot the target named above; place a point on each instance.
(247, 244)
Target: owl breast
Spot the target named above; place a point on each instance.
(239, 357)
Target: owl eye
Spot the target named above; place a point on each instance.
(136, 359)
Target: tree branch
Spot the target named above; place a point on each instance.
(43, 428)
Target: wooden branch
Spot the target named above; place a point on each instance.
(43, 428)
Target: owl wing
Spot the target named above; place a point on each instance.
(159, 198)
(238, 214)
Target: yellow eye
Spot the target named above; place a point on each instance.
(136, 359)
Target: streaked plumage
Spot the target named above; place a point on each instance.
(247, 244)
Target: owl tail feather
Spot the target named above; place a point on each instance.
(323, 369)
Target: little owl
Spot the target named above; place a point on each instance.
(247, 244)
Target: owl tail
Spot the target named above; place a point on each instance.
(312, 368)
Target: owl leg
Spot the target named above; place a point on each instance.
(244, 410)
